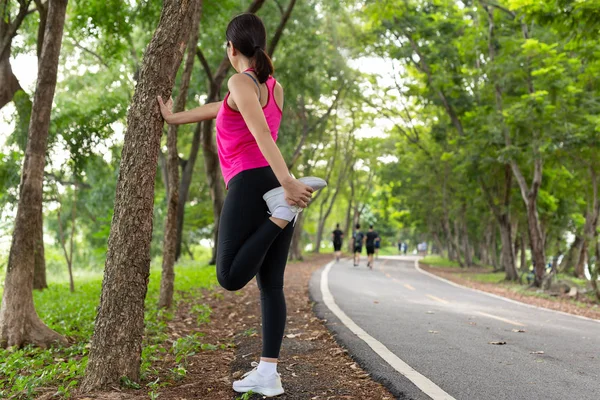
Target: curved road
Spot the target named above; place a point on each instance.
(444, 332)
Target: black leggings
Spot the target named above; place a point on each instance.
(250, 244)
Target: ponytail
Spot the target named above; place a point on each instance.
(248, 35)
(263, 66)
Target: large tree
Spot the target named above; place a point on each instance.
(117, 340)
(19, 322)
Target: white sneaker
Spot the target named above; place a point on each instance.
(266, 385)
(279, 207)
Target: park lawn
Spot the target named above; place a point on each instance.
(439, 261)
(23, 371)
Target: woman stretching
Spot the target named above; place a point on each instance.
(263, 199)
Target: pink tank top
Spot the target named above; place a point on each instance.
(238, 150)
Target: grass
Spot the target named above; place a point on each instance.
(24, 371)
(438, 261)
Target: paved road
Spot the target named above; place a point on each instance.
(444, 333)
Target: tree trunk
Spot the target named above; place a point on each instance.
(594, 272)
(214, 180)
(536, 241)
(184, 186)
(590, 228)
(438, 243)
(9, 85)
(39, 274)
(508, 256)
(117, 341)
(465, 238)
(494, 249)
(568, 262)
(167, 282)
(523, 254)
(296, 247)
(63, 242)
(19, 322)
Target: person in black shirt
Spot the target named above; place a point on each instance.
(371, 238)
(336, 237)
(358, 239)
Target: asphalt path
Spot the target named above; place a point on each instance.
(447, 334)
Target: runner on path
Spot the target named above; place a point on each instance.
(371, 238)
(336, 236)
(358, 239)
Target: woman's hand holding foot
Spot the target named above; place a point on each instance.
(297, 193)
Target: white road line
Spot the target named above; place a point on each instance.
(508, 321)
(498, 297)
(428, 387)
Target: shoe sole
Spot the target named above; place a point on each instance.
(313, 182)
(259, 390)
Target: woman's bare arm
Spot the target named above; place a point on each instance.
(207, 111)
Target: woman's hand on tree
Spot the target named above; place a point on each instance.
(297, 193)
(165, 109)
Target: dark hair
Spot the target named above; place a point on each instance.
(371, 226)
(357, 226)
(249, 36)
(337, 225)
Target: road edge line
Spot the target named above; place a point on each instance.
(458, 285)
(420, 381)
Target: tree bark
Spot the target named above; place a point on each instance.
(167, 282)
(39, 274)
(117, 341)
(19, 322)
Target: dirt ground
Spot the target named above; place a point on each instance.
(312, 364)
(559, 303)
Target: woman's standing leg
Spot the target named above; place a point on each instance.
(270, 282)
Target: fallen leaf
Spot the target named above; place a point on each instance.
(519, 330)
(291, 336)
(237, 374)
(536, 352)
(434, 332)
(376, 301)
(498, 343)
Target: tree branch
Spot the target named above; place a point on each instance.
(281, 27)
(96, 55)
